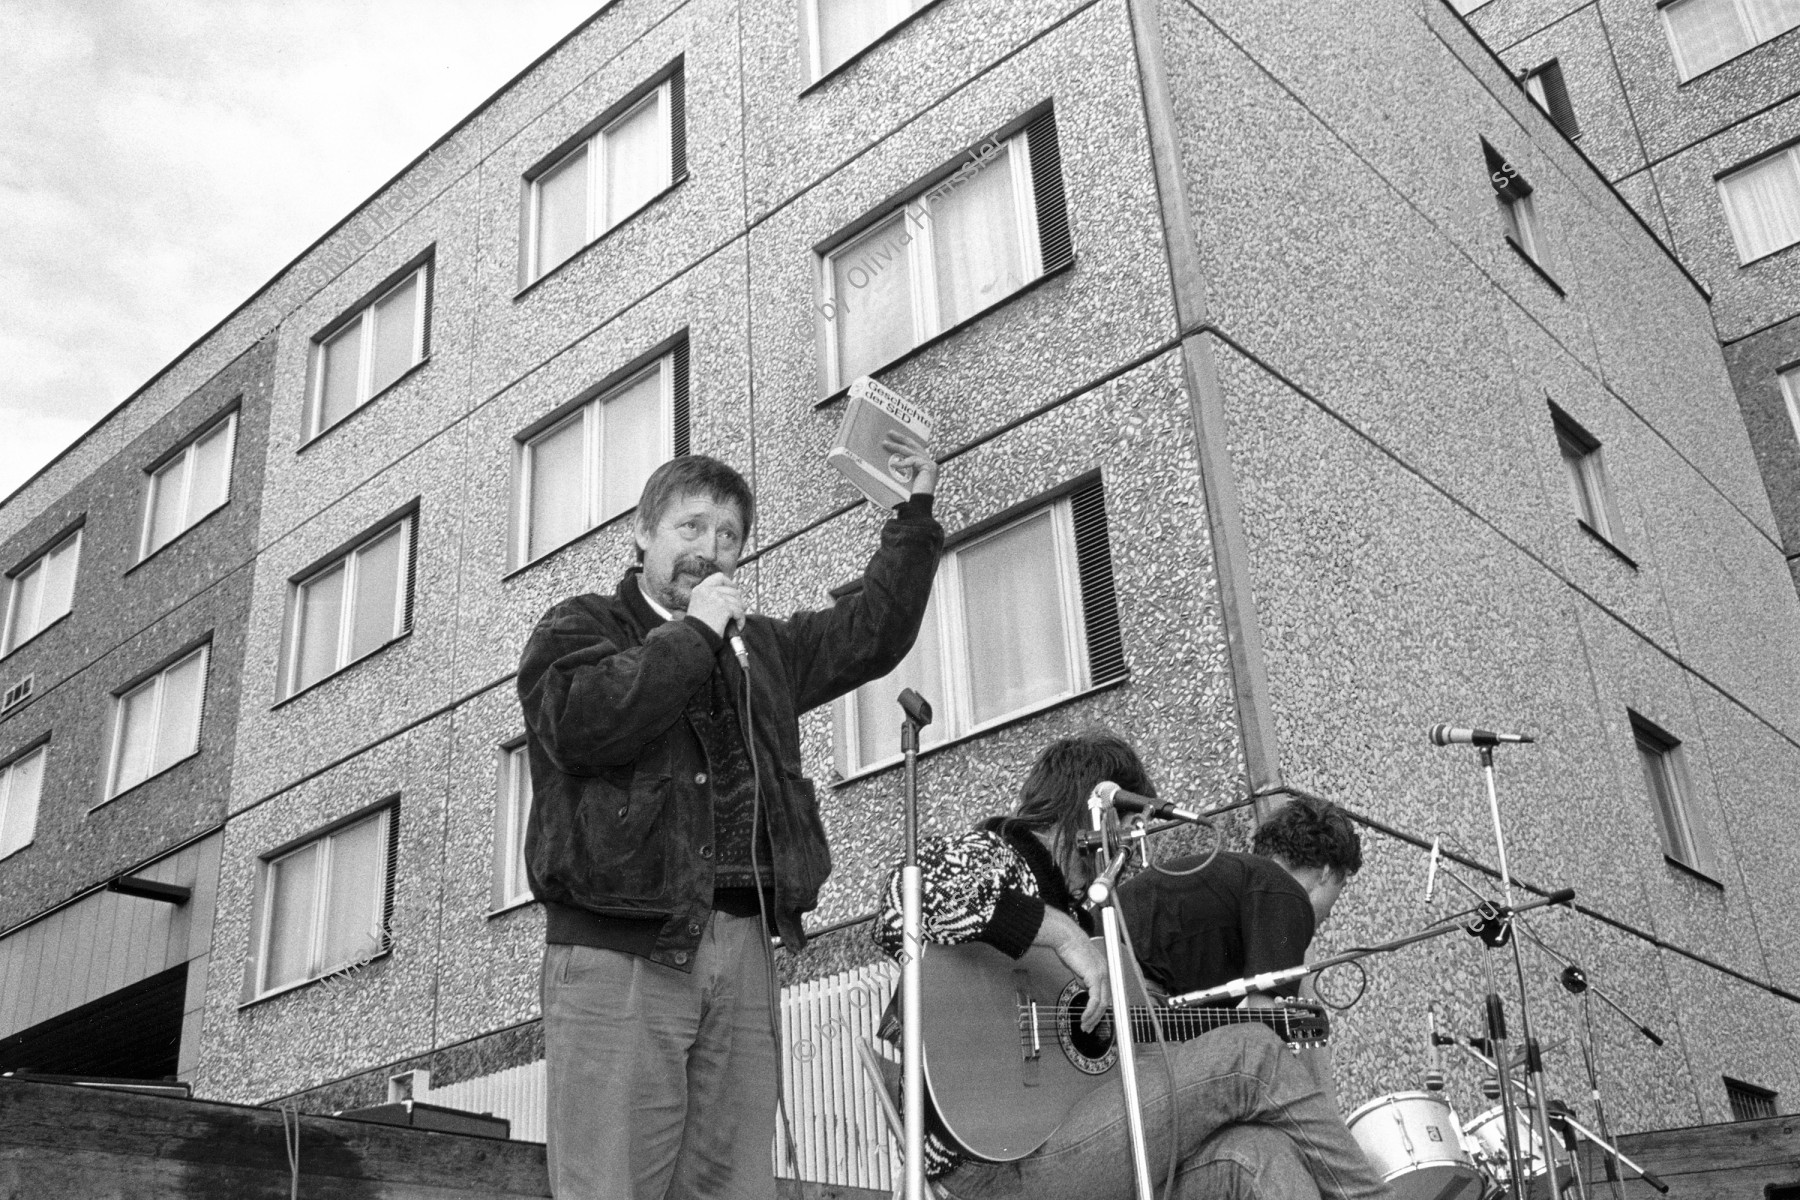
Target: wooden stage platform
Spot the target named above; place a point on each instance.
(61, 1141)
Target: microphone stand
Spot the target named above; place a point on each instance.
(912, 1043)
(1102, 895)
(1534, 1060)
(1574, 976)
(1575, 981)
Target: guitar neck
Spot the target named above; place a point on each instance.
(1182, 1024)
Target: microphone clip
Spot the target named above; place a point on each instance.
(1492, 924)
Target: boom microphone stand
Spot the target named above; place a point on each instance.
(1500, 933)
(912, 1044)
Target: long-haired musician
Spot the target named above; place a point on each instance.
(1251, 1119)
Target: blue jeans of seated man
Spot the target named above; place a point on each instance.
(661, 1084)
(1240, 1075)
(1246, 1162)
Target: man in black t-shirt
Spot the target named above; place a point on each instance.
(1245, 914)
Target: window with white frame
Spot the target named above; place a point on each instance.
(605, 177)
(41, 592)
(156, 724)
(1545, 85)
(1762, 204)
(590, 464)
(1022, 615)
(1516, 205)
(325, 904)
(368, 350)
(1664, 763)
(834, 30)
(1705, 33)
(1789, 379)
(1586, 471)
(191, 483)
(511, 812)
(349, 608)
(962, 244)
(21, 786)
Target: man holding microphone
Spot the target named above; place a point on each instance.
(672, 826)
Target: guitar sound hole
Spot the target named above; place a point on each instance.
(1091, 1052)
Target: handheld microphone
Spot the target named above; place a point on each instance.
(1446, 735)
(1111, 793)
(734, 635)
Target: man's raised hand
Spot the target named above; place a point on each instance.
(914, 455)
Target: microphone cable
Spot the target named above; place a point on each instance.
(747, 730)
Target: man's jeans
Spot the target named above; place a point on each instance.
(661, 1084)
(1234, 1088)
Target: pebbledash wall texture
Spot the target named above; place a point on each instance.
(1678, 104)
(1319, 388)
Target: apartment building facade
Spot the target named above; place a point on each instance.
(1693, 110)
(1259, 376)
(121, 656)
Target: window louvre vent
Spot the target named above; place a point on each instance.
(393, 866)
(677, 125)
(430, 284)
(1099, 602)
(1047, 182)
(1556, 98)
(410, 583)
(17, 694)
(1749, 1102)
(679, 417)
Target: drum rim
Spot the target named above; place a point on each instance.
(1390, 1097)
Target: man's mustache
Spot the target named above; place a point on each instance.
(694, 564)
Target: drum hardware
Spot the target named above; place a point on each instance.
(1562, 1119)
(1576, 981)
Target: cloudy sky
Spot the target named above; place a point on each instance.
(161, 159)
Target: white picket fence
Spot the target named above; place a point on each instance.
(839, 1135)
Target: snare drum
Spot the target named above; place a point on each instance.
(1412, 1140)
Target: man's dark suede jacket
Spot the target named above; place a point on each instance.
(621, 814)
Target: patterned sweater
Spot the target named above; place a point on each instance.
(983, 886)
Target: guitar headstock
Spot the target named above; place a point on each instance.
(1302, 1022)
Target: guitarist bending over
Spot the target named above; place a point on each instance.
(1250, 1120)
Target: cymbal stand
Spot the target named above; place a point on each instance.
(912, 1045)
(1101, 894)
(1576, 981)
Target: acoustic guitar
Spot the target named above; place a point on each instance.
(1005, 1054)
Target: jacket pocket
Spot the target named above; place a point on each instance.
(621, 835)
